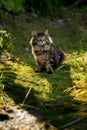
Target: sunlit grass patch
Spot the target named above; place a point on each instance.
(78, 74)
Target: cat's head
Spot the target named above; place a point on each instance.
(40, 38)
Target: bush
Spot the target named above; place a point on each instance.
(14, 6)
(6, 42)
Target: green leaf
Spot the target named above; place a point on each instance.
(8, 4)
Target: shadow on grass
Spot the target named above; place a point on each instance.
(58, 110)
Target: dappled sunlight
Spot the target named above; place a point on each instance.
(58, 97)
(26, 77)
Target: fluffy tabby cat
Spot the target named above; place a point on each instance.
(47, 56)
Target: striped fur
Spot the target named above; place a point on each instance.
(47, 56)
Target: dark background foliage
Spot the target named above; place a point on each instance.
(41, 7)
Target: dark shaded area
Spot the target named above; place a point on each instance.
(77, 3)
(51, 7)
(4, 117)
(41, 7)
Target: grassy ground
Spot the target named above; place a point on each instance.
(60, 98)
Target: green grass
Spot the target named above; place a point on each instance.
(60, 97)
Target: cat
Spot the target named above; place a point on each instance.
(47, 56)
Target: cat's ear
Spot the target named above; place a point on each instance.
(34, 32)
(46, 32)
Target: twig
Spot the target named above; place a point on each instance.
(70, 123)
(26, 95)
